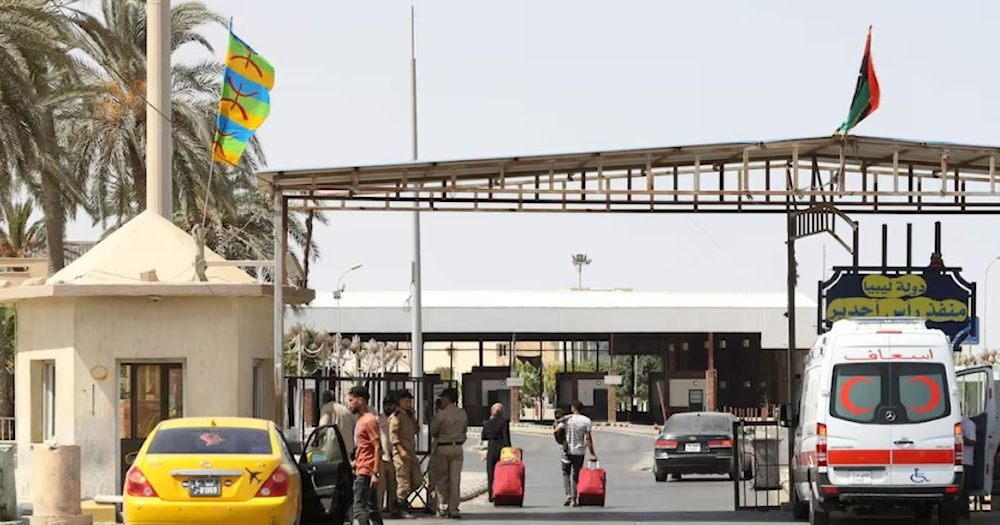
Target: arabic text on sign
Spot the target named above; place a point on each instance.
(883, 355)
(881, 287)
(943, 311)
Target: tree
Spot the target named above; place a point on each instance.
(36, 62)
(109, 146)
(20, 237)
(7, 337)
(533, 385)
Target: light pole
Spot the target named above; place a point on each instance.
(580, 260)
(337, 294)
(986, 299)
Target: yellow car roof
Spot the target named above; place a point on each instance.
(227, 422)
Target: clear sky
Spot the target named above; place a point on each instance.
(523, 77)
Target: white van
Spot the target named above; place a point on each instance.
(879, 422)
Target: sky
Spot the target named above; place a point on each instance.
(526, 77)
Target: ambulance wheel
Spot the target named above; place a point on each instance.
(948, 513)
(922, 512)
(817, 514)
(660, 477)
(800, 509)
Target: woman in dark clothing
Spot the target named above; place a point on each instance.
(496, 434)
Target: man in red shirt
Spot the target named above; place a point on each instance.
(367, 458)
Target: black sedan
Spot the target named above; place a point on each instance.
(698, 443)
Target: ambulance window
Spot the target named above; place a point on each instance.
(857, 391)
(922, 391)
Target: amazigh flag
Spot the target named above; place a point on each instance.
(866, 94)
(245, 101)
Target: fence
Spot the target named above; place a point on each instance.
(761, 447)
(305, 392)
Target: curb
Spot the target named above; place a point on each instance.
(474, 493)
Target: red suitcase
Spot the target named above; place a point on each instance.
(592, 487)
(508, 483)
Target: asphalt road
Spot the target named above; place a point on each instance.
(633, 495)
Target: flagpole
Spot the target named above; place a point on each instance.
(159, 171)
(416, 289)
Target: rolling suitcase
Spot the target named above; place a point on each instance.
(592, 487)
(508, 483)
(508, 453)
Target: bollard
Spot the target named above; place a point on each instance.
(57, 486)
(8, 493)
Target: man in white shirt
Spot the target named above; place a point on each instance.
(579, 441)
(968, 461)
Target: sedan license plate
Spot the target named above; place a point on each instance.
(692, 447)
(204, 487)
(861, 478)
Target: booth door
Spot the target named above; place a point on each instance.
(149, 393)
(600, 405)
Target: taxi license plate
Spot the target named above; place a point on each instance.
(861, 478)
(204, 487)
(692, 447)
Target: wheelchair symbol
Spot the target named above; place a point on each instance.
(918, 477)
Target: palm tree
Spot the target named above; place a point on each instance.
(21, 237)
(33, 57)
(109, 135)
(109, 145)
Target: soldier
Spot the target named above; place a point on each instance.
(403, 431)
(448, 430)
(387, 481)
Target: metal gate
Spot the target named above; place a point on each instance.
(761, 448)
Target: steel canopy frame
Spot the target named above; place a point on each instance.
(855, 174)
(850, 174)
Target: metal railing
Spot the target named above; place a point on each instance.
(6, 429)
(761, 477)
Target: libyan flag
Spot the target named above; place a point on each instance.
(866, 94)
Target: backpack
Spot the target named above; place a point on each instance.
(560, 434)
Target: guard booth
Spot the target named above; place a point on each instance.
(481, 388)
(588, 388)
(683, 391)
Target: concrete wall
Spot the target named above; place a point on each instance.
(216, 339)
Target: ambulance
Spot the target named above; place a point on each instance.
(879, 422)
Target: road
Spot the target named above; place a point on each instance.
(633, 495)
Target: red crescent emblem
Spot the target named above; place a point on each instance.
(935, 394)
(845, 395)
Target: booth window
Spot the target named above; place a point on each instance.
(48, 400)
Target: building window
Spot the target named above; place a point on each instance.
(502, 349)
(258, 389)
(49, 400)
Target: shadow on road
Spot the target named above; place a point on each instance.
(620, 514)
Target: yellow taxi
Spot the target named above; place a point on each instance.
(234, 470)
(213, 470)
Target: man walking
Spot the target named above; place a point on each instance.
(336, 413)
(579, 441)
(367, 459)
(403, 431)
(448, 430)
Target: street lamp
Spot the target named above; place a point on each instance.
(337, 294)
(985, 320)
(580, 260)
